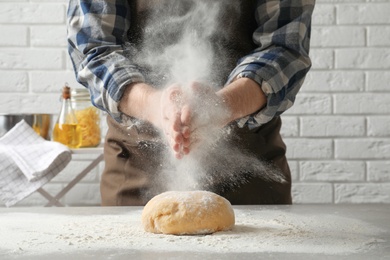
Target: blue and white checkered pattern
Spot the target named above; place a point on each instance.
(96, 31)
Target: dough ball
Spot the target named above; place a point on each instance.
(187, 212)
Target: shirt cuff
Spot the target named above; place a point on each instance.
(259, 117)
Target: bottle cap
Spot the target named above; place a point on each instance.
(66, 92)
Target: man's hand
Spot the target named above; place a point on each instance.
(166, 109)
(186, 116)
(189, 115)
(206, 113)
(175, 119)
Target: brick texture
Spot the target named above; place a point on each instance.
(337, 133)
(343, 145)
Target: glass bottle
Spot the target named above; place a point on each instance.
(66, 129)
(88, 117)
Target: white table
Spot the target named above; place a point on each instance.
(349, 232)
(54, 200)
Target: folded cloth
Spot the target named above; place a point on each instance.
(27, 162)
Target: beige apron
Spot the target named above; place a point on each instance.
(134, 157)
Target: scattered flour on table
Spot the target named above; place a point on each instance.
(274, 231)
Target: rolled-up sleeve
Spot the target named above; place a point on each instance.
(97, 32)
(281, 61)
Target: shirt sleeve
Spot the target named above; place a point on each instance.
(97, 33)
(281, 61)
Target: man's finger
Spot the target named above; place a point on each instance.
(186, 115)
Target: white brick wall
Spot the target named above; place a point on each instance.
(338, 132)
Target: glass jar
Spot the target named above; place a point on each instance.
(88, 117)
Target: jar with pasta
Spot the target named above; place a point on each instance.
(88, 117)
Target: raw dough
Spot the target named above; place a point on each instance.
(187, 212)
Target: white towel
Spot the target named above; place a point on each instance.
(27, 162)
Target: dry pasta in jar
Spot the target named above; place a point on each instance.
(88, 118)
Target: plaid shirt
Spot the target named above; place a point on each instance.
(279, 63)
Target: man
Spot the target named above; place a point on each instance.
(260, 58)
